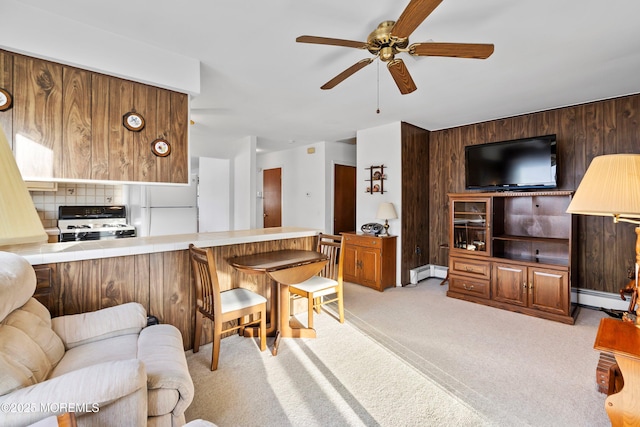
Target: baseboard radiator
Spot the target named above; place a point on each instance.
(425, 271)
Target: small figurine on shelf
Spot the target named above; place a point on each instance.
(376, 188)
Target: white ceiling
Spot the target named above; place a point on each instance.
(257, 81)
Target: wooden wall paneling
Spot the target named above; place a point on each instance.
(523, 126)
(56, 304)
(141, 282)
(467, 137)
(156, 286)
(146, 103)
(117, 281)
(76, 123)
(121, 146)
(627, 141)
(456, 161)
(100, 129)
(163, 130)
(548, 123)
(610, 258)
(503, 130)
(79, 286)
(588, 144)
(179, 142)
(486, 132)
(605, 250)
(89, 287)
(438, 205)
(415, 192)
(6, 82)
(37, 117)
(178, 306)
(566, 149)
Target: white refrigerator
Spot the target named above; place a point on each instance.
(158, 210)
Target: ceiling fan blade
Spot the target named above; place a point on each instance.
(401, 75)
(412, 16)
(346, 73)
(457, 50)
(332, 42)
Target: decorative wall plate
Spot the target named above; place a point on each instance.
(5, 99)
(133, 121)
(161, 147)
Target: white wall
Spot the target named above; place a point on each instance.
(244, 185)
(303, 179)
(37, 33)
(307, 182)
(380, 146)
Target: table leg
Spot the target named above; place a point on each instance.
(288, 326)
(272, 311)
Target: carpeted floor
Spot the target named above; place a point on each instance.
(341, 378)
(410, 357)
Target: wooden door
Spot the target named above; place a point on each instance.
(272, 193)
(344, 199)
(509, 284)
(549, 290)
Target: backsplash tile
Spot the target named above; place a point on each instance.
(69, 194)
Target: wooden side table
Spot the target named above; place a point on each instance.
(623, 340)
(370, 260)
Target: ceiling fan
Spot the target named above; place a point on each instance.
(392, 37)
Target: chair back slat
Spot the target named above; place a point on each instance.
(330, 245)
(206, 281)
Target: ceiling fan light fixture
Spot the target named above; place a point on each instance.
(387, 54)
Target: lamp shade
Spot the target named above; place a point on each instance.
(386, 211)
(610, 187)
(19, 221)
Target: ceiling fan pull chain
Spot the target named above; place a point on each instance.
(378, 93)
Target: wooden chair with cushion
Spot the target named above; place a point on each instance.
(221, 307)
(327, 282)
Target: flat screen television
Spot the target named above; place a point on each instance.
(520, 164)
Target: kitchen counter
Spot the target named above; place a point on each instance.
(96, 249)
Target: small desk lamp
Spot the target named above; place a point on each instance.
(386, 211)
(19, 221)
(611, 187)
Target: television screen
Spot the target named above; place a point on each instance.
(521, 164)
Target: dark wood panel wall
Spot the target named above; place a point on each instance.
(606, 251)
(415, 199)
(162, 282)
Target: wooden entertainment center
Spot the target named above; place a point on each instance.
(515, 251)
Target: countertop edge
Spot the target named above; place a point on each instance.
(46, 253)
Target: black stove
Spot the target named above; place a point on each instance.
(77, 223)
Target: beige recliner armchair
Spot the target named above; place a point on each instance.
(106, 366)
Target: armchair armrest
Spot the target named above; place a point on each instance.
(78, 329)
(87, 390)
